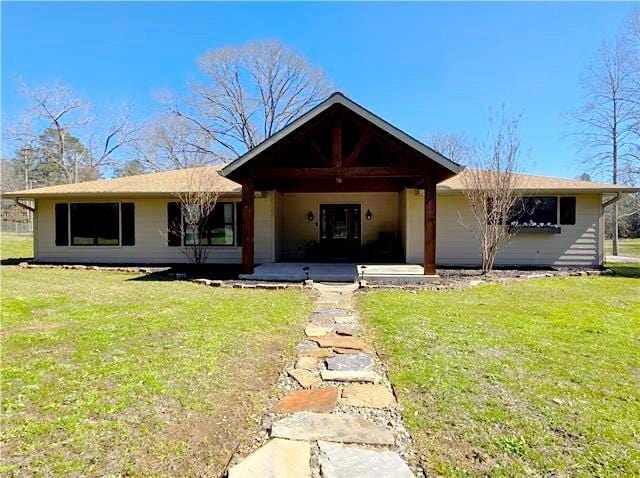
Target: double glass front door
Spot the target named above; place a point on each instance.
(340, 229)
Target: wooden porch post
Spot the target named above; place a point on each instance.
(429, 226)
(248, 200)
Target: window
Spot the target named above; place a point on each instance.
(95, 224)
(218, 229)
(221, 225)
(192, 233)
(568, 210)
(535, 210)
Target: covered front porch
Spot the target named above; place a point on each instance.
(338, 272)
(347, 189)
(347, 227)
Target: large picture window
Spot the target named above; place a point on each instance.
(95, 224)
(535, 210)
(218, 229)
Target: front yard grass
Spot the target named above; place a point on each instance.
(15, 247)
(531, 378)
(105, 374)
(626, 247)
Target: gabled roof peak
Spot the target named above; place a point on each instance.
(338, 97)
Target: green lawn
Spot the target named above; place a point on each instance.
(16, 247)
(626, 247)
(103, 374)
(537, 378)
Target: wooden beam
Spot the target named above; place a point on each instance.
(357, 149)
(342, 172)
(331, 186)
(429, 226)
(248, 201)
(336, 144)
(315, 149)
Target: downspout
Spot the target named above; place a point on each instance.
(614, 199)
(26, 206)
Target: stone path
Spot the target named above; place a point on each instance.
(339, 417)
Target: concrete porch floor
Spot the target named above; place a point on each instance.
(338, 272)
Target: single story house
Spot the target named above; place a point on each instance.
(337, 184)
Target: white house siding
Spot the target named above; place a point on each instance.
(150, 236)
(296, 230)
(282, 230)
(576, 245)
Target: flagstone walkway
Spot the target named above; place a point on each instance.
(339, 418)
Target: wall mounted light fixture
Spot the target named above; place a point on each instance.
(310, 216)
(369, 215)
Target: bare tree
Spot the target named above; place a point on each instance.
(490, 184)
(250, 92)
(172, 142)
(55, 122)
(452, 145)
(197, 202)
(631, 39)
(606, 127)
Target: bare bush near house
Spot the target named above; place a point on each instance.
(197, 203)
(250, 92)
(490, 184)
(55, 117)
(170, 143)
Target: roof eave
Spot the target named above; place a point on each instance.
(445, 189)
(111, 194)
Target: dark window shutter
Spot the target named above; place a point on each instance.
(239, 223)
(174, 229)
(62, 225)
(128, 223)
(568, 210)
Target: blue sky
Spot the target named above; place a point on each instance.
(420, 66)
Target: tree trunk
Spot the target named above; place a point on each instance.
(615, 229)
(614, 247)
